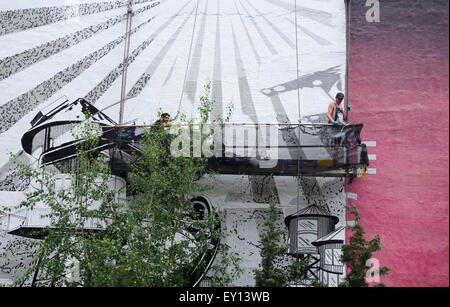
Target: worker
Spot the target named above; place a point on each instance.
(336, 114)
(162, 123)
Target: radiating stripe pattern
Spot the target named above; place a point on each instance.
(19, 20)
(15, 109)
(246, 48)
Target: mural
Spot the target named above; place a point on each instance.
(248, 49)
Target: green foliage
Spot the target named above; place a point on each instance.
(272, 250)
(357, 253)
(73, 211)
(298, 270)
(153, 237)
(227, 269)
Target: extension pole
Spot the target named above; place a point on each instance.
(125, 64)
(347, 51)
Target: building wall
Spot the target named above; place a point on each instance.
(399, 90)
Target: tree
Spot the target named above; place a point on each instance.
(67, 240)
(272, 250)
(358, 252)
(273, 272)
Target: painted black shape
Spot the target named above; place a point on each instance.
(325, 79)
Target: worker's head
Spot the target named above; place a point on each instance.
(165, 117)
(339, 98)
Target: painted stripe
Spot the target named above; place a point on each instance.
(169, 74)
(249, 37)
(260, 31)
(370, 171)
(216, 91)
(23, 19)
(142, 82)
(321, 17)
(9, 173)
(370, 143)
(191, 84)
(372, 157)
(247, 104)
(107, 82)
(352, 196)
(288, 135)
(318, 39)
(18, 62)
(350, 223)
(328, 78)
(274, 27)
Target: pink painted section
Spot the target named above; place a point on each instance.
(399, 74)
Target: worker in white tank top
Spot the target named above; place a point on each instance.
(336, 114)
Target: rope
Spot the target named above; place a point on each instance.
(189, 60)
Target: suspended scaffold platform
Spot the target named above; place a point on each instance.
(303, 149)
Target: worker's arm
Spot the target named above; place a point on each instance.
(330, 112)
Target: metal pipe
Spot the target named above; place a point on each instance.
(125, 64)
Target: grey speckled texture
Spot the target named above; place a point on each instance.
(19, 20)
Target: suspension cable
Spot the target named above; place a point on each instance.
(188, 62)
